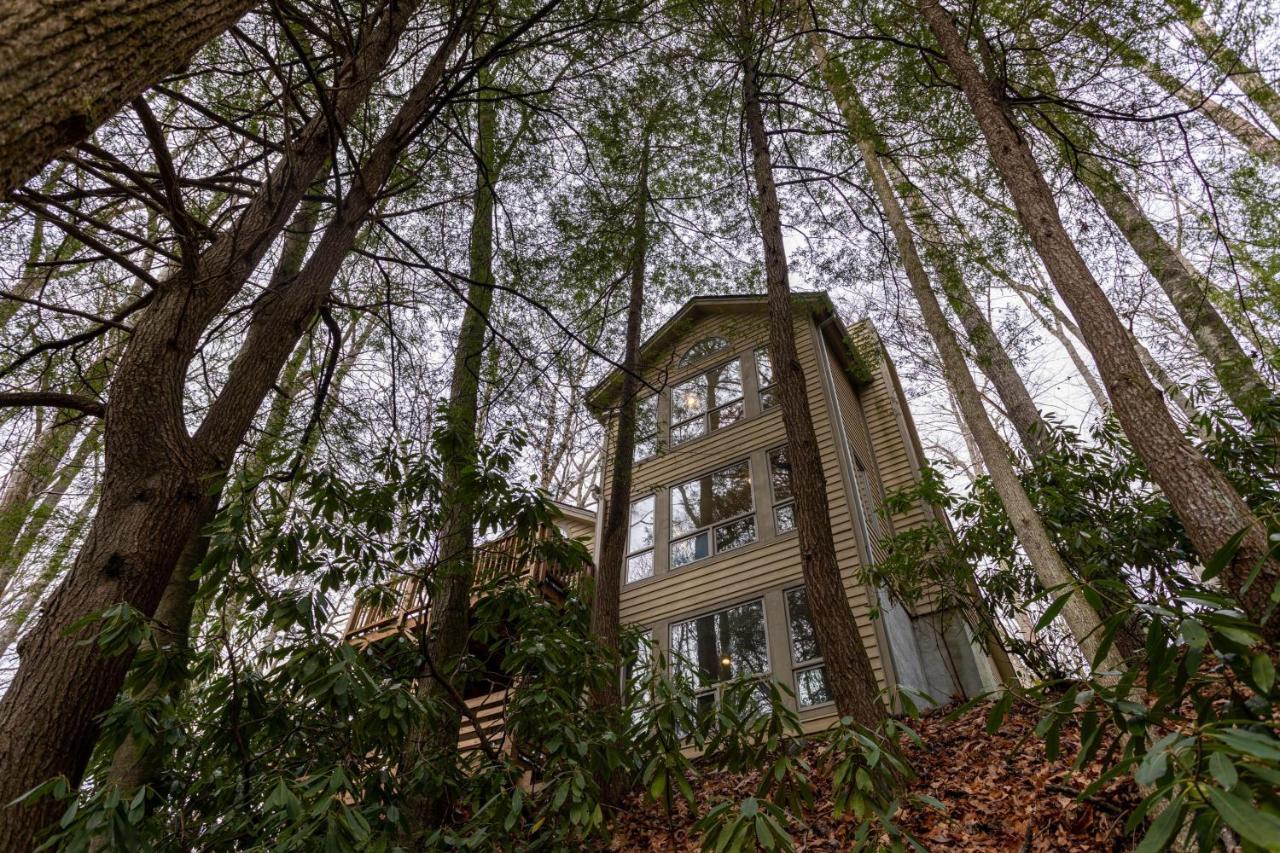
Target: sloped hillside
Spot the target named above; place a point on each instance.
(999, 792)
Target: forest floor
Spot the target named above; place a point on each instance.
(1000, 792)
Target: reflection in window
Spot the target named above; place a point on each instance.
(640, 540)
(639, 668)
(806, 657)
(702, 349)
(877, 524)
(646, 428)
(711, 514)
(721, 646)
(765, 379)
(707, 402)
(784, 508)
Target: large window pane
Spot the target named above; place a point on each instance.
(686, 508)
(811, 687)
(685, 551)
(765, 378)
(723, 417)
(721, 646)
(641, 525)
(731, 491)
(780, 474)
(646, 428)
(689, 399)
(724, 384)
(735, 534)
(804, 642)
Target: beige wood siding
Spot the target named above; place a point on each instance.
(773, 563)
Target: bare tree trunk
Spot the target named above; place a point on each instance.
(1055, 328)
(1209, 508)
(1048, 564)
(1228, 60)
(66, 67)
(849, 672)
(615, 532)
(1186, 287)
(31, 475)
(1252, 138)
(157, 479)
(454, 575)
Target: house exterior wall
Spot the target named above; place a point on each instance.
(851, 426)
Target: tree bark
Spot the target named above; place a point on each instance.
(848, 668)
(1227, 60)
(451, 583)
(66, 67)
(615, 532)
(1252, 138)
(156, 484)
(1047, 563)
(1209, 508)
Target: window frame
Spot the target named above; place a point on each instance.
(877, 526)
(655, 436)
(710, 528)
(766, 394)
(651, 549)
(808, 664)
(713, 689)
(776, 502)
(705, 416)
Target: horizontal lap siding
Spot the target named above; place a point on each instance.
(886, 424)
(737, 575)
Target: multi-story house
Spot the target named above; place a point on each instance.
(713, 572)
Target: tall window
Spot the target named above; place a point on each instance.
(707, 402)
(640, 540)
(711, 514)
(639, 669)
(646, 428)
(720, 646)
(877, 525)
(784, 506)
(806, 657)
(765, 380)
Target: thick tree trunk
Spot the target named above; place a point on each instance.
(615, 532)
(1209, 508)
(1186, 287)
(67, 66)
(849, 673)
(157, 479)
(451, 582)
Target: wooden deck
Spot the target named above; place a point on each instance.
(368, 624)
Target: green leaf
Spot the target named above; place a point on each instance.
(996, 716)
(1224, 772)
(1162, 829)
(750, 806)
(1260, 828)
(1264, 672)
(1223, 556)
(1053, 611)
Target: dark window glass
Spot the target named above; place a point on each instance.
(811, 687)
(703, 348)
(780, 474)
(721, 499)
(804, 642)
(765, 379)
(721, 646)
(646, 428)
(640, 540)
(707, 402)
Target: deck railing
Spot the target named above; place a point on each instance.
(502, 556)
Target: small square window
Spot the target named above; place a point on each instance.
(811, 687)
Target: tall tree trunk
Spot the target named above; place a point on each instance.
(157, 477)
(1186, 287)
(848, 668)
(134, 764)
(1228, 60)
(31, 475)
(1209, 508)
(989, 353)
(65, 68)
(1252, 138)
(1048, 564)
(448, 631)
(615, 532)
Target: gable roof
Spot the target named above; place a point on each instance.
(605, 393)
